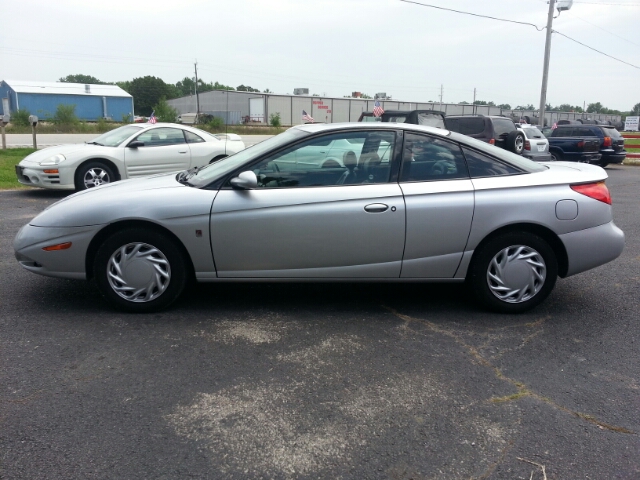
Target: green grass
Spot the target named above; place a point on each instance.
(8, 160)
(632, 144)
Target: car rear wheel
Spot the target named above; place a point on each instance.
(93, 174)
(513, 272)
(555, 157)
(515, 142)
(140, 270)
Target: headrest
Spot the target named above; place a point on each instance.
(349, 159)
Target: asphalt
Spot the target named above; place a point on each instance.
(321, 381)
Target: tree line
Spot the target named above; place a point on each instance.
(149, 91)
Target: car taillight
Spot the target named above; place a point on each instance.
(597, 191)
(527, 145)
(581, 144)
(607, 141)
(492, 141)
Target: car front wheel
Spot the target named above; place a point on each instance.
(140, 270)
(513, 272)
(93, 174)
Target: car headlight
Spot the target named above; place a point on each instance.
(55, 160)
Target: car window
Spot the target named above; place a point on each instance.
(502, 126)
(346, 158)
(532, 132)
(466, 126)
(481, 165)
(397, 119)
(157, 137)
(563, 132)
(611, 132)
(426, 158)
(117, 136)
(192, 137)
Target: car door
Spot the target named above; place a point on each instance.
(314, 221)
(163, 149)
(439, 199)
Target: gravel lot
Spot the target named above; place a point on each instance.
(321, 381)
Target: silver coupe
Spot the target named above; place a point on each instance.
(377, 202)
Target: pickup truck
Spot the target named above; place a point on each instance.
(575, 149)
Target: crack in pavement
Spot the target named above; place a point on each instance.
(523, 390)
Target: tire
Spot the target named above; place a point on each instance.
(513, 272)
(515, 142)
(157, 272)
(93, 174)
(555, 157)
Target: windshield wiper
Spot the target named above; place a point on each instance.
(184, 176)
(94, 143)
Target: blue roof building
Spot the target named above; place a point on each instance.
(92, 102)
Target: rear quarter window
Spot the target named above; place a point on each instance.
(466, 126)
(611, 132)
(502, 126)
(481, 165)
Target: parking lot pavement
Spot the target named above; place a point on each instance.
(319, 380)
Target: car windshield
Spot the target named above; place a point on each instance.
(532, 132)
(117, 136)
(219, 169)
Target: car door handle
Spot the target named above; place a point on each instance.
(183, 152)
(376, 208)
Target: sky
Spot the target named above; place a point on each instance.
(335, 47)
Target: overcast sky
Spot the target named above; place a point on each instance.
(334, 47)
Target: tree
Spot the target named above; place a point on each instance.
(266, 90)
(525, 107)
(463, 103)
(504, 106)
(164, 112)
(243, 88)
(365, 96)
(635, 111)
(147, 92)
(594, 107)
(82, 79)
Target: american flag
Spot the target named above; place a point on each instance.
(377, 109)
(152, 118)
(306, 117)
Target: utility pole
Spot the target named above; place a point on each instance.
(545, 70)
(195, 65)
(474, 101)
(441, 97)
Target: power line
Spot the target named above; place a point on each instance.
(474, 14)
(604, 30)
(591, 48)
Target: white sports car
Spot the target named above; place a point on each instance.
(126, 152)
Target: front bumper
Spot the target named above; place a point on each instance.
(592, 247)
(35, 176)
(70, 263)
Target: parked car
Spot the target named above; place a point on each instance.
(611, 143)
(126, 152)
(431, 118)
(536, 145)
(442, 207)
(498, 131)
(574, 149)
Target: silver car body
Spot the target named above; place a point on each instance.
(538, 144)
(56, 167)
(394, 231)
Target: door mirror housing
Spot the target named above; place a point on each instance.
(245, 181)
(136, 144)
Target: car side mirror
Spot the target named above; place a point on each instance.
(245, 181)
(136, 144)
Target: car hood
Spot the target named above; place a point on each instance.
(152, 198)
(65, 150)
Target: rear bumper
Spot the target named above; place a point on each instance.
(592, 247)
(617, 157)
(545, 157)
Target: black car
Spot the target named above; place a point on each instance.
(498, 131)
(611, 142)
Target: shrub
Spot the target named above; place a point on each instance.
(126, 118)
(274, 119)
(65, 116)
(216, 124)
(20, 118)
(164, 112)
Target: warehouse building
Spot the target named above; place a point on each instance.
(236, 107)
(92, 102)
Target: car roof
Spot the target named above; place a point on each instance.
(327, 127)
